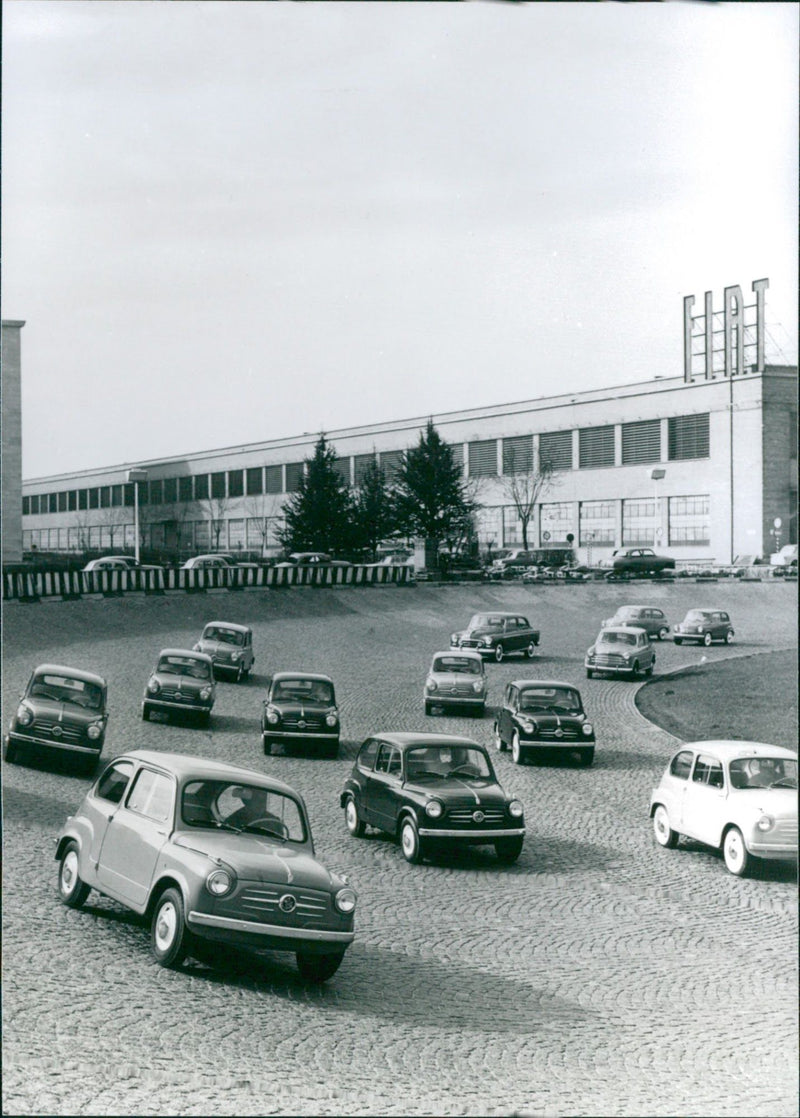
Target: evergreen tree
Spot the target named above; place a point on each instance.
(319, 515)
(374, 508)
(431, 496)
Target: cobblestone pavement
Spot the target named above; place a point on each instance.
(600, 975)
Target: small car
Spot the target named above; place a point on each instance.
(218, 858)
(230, 647)
(652, 620)
(456, 679)
(119, 563)
(63, 710)
(300, 707)
(312, 559)
(704, 626)
(207, 563)
(623, 649)
(496, 634)
(182, 681)
(737, 796)
(631, 561)
(539, 714)
(431, 790)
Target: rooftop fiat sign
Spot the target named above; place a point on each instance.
(724, 343)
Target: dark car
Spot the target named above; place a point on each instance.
(631, 561)
(229, 645)
(621, 649)
(61, 710)
(181, 682)
(497, 634)
(312, 559)
(652, 620)
(542, 714)
(702, 626)
(218, 859)
(431, 791)
(300, 707)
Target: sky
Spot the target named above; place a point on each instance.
(227, 223)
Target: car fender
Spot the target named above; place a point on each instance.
(407, 811)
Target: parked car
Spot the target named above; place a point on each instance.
(737, 796)
(119, 563)
(182, 681)
(431, 790)
(217, 857)
(312, 559)
(497, 634)
(230, 647)
(456, 679)
(786, 557)
(652, 620)
(704, 626)
(300, 707)
(629, 561)
(214, 562)
(539, 714)
(62, 710)
(621, 649)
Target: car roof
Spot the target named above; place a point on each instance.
(622, 629)
(497, 613)
(185, 765)
(470, 653)
(542, 683)
(229, 625)
(404, 740)
(185, 652)
(74, 673)
(621, 608)
(729, 750)
(706, 609)
(301, 675)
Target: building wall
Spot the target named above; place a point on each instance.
(10, 390)
(779, 463)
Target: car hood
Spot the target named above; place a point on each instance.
(210, 647)
(481, 632)
(301, 708)
(455, 792)
(256, 857)
(182, 682)
(66, 712)
(453, 679)
(781, 802)
(550, 718)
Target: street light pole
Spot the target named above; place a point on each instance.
(657, 474)
(135, 476)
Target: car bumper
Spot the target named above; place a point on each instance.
(454, 700)
(773, 850)
(304, 735)
(165, 704)
(556, 743)
(50, 743)
(622, 669)
(488, 835)
(275, 936)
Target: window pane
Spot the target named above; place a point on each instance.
(201, 487)
(185, 489)
(483, 458)
(255, 480)
(555, 447)
(518, 455)
(274, 479)
(360, 464)
(641, 442)
(690, 520)
(235, 483)
(294, 471)
(218, 485)
(688, 437)
(638, 523)
(170, 490)
(596, 447)
(391, 461)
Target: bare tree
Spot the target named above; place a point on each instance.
(115, 517)
(525, 487)
(214, 509)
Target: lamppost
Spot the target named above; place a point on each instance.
(135, 476)
(657, 474)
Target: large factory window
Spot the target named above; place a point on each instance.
(360, 464)
(688, 437)
(483, 458)
(518, 455)
(596, 447)
(274, 479)
(294, 471)
(638, 523)
(555, 447)
(597, 522)
(391, 461)
(236, 483)
(201, 487)
(170, 490)
(641, 442)
(255, 480)
(218, 485)
(690, 520)
(185, 489)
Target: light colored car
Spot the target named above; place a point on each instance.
(312, 559)
(786, 557)
(652, 620)
(737, 796)
(119, 563)
(181, 682)
(456, 679)
(702, 626)
(230, 647)
(622, 649)
(218, 858)
(207, 563)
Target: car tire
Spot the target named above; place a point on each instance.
(586, 756)
(333, 750)
(72, 891)
(428, 707)
(649, 671)
(499, 744)
(169, 936)
(678, 640)
(664, 834)
(478, 710)
(707, 639)
(662, 634)
(355, 826)
(517, 755)
(318, 968)
(267, 745)
(590, 673)
(530, 651)
(635, 669)
(729, 637)
(145, 712)
(9, 752)
(410, 842)
(509, 849)
(499, 653)
(240, 673)
(738, 859)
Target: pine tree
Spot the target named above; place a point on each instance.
(319, 515)
(374, 508)
(431, 496)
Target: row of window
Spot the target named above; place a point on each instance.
(688, 437)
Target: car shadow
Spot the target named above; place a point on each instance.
(64, 764)
(235, 723)
(761, 869)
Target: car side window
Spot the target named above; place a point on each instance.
(382, 764)
(681, 764)
(395, 763)
(507, 697)
(151, 795)
(367, 754)
(112, 784)
(707, 771)
(513, 697)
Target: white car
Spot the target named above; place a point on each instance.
(737, 796)
(207, 563)
(456, 678)
(119, 563)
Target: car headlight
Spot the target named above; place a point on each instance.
(477, 686)
(486, 641)
(95, 730)
(765, 823)
(331, 719)
(24, 716)
(236, 656)
(516, 809)
(431, 685)
(205, 694)
(587, 728)
(196, 647)
(153, 686)
(454, 638)
(591, 651)
(434, 809)
(273, 717)
(626, 655)
(526, 726)
(220, 882)
(345, 900)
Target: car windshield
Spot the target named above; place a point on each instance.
(550, 698)
(184, 665)
(763, 772)
(486, 621)
(696, 615)
(233, 806)
(440, 762)
(461, 664)
(617, 638)
(303, 690)
(65, 689)
(224, 636)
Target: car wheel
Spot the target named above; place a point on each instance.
(678, 640)
(318, 968)
(707, 639)
(509, 849)
(428, 707)
(648, 671)
(499, 653)
(267, 745)
(410, 842)
(589, 673)
(516, 749)
(729, 636)
(586, 756)
(662, 634)
(735, 853)
(145, 712)
(9, 752)
(664, 834)
(71, 889)
(168, 934)
(499, 744)
(635, 669)
(478, 710)
(355, 826)
(530, 651)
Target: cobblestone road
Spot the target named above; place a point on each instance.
(600, 975)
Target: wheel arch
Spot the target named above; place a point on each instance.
(169, 880)
(406, 812)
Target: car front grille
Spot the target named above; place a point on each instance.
(470, 644)
(261, 902)
(609, 660)
(462, 690)
(550, 733)
(173, 695)
(785, 830)
(45, 727)
(462, 816)
(311, 722)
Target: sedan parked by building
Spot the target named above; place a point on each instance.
(621, 649)
(217, 858)
(702, 626)
(497, 635)
(312, 559)
(456, 680)
(631, 562)
(431, 791)
(652, 620)
(119, 563)
(62, 710)
(207, 563)
(181, 682)
(739, 797)
(230, 647)
(542, 714)
(300, 707)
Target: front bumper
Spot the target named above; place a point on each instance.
(439, 699)
(277, 937)
(557, 743)
(191, 707)
(50, 743)
(623, 669)
(305, 735)
(465, 835)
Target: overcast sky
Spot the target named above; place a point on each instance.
(227, 223)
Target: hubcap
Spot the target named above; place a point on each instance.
(69, 871)
(733, 848)
(408, 840)
(165, 926)
(350, 815)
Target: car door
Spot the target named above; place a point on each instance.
(99, 809)
(704, 801)
(510, 701)
(135, 836)
(385, 787)
(249, 658)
